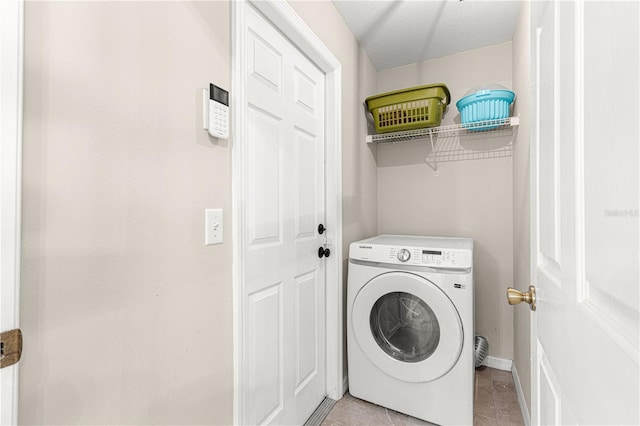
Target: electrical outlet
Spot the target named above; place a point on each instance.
(213, 226)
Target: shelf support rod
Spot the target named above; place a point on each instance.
(434, 166)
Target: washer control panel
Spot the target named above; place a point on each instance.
(439, 258)
(433, 252)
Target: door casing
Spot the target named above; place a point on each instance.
(284, 18)
(11, 81)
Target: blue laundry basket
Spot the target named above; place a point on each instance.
(485, 104)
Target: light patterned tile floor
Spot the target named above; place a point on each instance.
(496, 403)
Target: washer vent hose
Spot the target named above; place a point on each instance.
(481, 349)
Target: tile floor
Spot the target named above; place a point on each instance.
(496, 403)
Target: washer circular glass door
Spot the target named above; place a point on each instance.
(407, 326)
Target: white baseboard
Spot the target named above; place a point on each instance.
(498, 363)
(508, 365)
(523, 405)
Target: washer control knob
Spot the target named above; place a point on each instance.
(403, 255)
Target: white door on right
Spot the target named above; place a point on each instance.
(585, 187)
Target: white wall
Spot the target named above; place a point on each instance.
(126, 314)
(468, 198)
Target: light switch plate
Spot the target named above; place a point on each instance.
(214, 226)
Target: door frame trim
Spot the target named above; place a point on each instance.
(533, 205)
(11, 84)
(284, 18)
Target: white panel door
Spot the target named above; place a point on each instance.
(284, 204)
(585, 186)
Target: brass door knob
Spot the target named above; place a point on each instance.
(10, 347)
(516, 296)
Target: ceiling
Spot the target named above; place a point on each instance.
(401, 32)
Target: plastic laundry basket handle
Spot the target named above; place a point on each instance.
(446, 89)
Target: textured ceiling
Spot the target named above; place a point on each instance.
(401, 32)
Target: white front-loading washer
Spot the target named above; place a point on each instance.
(410, 316)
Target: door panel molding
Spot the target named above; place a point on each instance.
(305, 290)
(548, 244)
(550, 407)
(614, 320)
(265, 307)
(261, 50)
(582, 287)
(611, 311)
(264, 155)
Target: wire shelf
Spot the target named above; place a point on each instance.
(457, 142)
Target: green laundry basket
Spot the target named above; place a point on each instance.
(409, 109)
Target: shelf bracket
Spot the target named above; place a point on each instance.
(433, 165)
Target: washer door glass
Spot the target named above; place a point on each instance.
(405, 327)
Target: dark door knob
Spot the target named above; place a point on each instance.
(321, 229)
(323, 252)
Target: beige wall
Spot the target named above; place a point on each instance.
(521, 198)
(127, 316)
(468, 198)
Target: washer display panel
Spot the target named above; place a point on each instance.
(407, 326)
